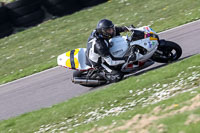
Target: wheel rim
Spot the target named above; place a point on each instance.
(170, 53)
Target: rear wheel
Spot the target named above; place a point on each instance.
(62, 7)
(31, 19)
(167, 52)
(83, 75)
(88, 3)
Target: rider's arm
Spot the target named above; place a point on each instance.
(101, 48)
(121, 29)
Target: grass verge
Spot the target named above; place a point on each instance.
(7, 1)
(156, 93)
(36, 49)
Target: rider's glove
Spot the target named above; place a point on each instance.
(130, 28)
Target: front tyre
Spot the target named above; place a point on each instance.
(167, 52)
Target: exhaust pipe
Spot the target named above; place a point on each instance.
(84, 81)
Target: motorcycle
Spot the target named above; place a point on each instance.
(146, 48)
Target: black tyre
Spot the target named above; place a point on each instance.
(61, 7)
(3, 15)
(27, 20)
(34, 22)
(88, 3)
(14, 13)
(82, 74)
(167, 52)
(5, 26)
(20, 3)
(69, 7)
(55, 2)
(6, 29)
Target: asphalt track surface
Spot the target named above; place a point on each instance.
(53, 86)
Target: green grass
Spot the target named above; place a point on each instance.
(36, 49)
(96, 109)
(7, 1)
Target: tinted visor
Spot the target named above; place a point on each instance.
(109, 30)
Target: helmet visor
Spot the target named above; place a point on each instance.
(109, 32)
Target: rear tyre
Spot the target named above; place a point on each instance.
(77, 73)
(30, 19)
(3, 15)
(15, 13)
(20, 3)
(6, 27)
(89, 3)
(25, 13)
(82, 74)
(62, 7)
(6, 30)
(168, 52)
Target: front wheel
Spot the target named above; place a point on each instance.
(167, 52)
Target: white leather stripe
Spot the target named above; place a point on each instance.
(92, 55)
(106, 42)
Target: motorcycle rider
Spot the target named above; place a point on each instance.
(98, 46)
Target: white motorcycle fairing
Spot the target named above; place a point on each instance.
(120, 45)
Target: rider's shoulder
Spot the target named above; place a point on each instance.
(96, 35)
